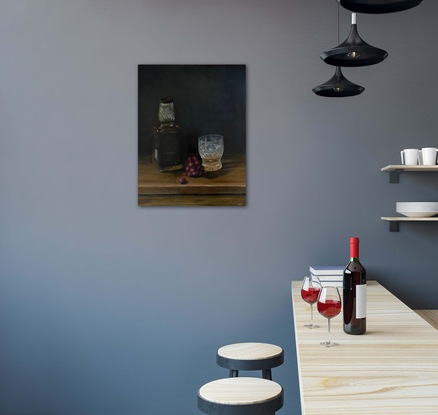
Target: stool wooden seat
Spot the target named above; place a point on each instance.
(250, 356)
(240, 396)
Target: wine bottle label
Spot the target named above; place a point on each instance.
(361, 301)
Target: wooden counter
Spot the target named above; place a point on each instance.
(225, 187)
(391, 369)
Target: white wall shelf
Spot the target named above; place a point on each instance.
(394, 170)
(394, 221)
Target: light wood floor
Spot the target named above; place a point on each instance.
(431, 316)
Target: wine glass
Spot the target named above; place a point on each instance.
(309, 293)
(329, 306)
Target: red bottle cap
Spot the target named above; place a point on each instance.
(354, 247)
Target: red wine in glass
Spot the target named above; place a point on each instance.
(309, 293)
(329, 309)
(329, 306)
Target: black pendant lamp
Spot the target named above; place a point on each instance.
(378, 6)
(338, 86)
(354, 51)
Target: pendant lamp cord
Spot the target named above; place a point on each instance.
(338, 23)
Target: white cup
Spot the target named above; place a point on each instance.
(428, 156)
(410, 156)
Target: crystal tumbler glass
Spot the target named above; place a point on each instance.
(211, 150)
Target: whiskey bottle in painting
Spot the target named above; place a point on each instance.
(168, 152)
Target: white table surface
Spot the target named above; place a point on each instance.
(391, 369)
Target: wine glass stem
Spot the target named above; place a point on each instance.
(329, 337)
(311, 314)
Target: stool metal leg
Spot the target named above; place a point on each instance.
(234, 373)
(267, 374)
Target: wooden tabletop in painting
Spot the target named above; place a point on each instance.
(225, 187)
(391, 369)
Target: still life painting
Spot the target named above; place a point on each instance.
(191, 135)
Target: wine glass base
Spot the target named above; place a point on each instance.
(311, 326)
(329, 344)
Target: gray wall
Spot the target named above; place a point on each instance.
(107, 308)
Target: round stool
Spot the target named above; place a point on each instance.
(240, 396)
(250, 356)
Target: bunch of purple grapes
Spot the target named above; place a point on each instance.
(193, 167)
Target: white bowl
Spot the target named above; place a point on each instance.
(417, 209)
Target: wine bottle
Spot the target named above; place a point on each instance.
(355, 283)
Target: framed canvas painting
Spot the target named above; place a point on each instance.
(191, 135)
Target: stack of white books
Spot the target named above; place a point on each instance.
(329, 275)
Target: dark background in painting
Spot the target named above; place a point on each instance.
(208, 99)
